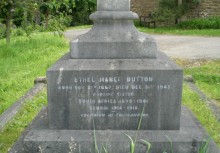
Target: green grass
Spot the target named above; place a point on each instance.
(206, 74)
(23, 61)
(176, 31)
(12, 131)
(202, 112)
(169, 30)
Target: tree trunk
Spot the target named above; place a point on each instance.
(8, 26)
(47, 20)
(37, 18)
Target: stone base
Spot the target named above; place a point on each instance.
(189, 139)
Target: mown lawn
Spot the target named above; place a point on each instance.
(206, 74)
(24, 60)
(177, 31)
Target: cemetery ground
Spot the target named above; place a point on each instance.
(27, 58)
(169, 30)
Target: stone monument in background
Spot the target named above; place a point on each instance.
(113, 77)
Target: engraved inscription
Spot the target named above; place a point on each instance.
(113, 96)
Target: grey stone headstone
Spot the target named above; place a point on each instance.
(113, 93)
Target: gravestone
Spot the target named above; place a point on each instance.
(113, 77)
(113, 73)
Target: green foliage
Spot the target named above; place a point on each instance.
(2, 31)
(56, 25)
(196, 1)
(205, 147)
(52, 14)
(203, 23)
(95, 139)
(148, 144)
(18, 32)
(10, 7)
(164, 15)
(82, 10)
(105, 149)
(132, 144)
(169, 10)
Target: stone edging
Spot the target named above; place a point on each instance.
(210, 102)
(16, 107)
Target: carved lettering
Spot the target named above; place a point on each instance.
(113, 96)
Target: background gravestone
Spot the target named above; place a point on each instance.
(113, 76)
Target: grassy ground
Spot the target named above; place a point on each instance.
(207, 76)
(23, 61)
(202, 113)
(169, 30)
(13, 130)
(176, 31)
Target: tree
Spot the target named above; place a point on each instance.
(82, 10)
(170, 10)
(7, 7)
(55, 8)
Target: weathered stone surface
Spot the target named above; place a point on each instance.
(113, 35)
(40, 80)
(113, 42)
(188, 139)
(113, 5)
(117, 15)
(113, 93)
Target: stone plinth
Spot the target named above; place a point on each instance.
(113, 93)
(113, 35)
(190, 138)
